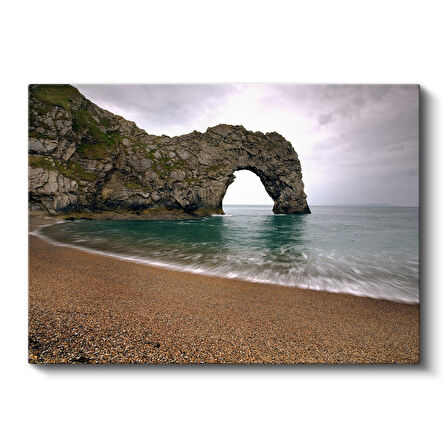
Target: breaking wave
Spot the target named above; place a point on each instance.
(365, 251)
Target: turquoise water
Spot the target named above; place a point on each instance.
(368, 251)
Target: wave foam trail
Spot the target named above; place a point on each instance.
(338, 252)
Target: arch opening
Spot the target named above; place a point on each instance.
(247, 189)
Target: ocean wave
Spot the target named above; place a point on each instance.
(262, 249)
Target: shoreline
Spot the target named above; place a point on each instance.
(173, 316)
(178, 268)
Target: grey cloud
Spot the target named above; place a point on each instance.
(158, 105)
(362, 139)
(325, 118)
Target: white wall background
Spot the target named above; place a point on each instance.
(200, 41)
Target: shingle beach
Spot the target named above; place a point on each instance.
(88, 308)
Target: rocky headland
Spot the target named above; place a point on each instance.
(87, 162)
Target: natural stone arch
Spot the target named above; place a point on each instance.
(269, 156)
(84, 160)
(270, 187)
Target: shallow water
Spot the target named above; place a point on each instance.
(368, 251)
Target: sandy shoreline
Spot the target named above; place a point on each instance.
(89, 308)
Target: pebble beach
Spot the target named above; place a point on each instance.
(90, 309)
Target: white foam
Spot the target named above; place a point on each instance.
(317, 273)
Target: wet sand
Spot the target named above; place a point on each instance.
(87, 308)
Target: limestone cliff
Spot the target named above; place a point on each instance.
(86, 161)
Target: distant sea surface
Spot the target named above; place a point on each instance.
(366, 251)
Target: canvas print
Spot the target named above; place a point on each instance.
(223, 223)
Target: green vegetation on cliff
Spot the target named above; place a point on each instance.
(63, 95)
(134, 184)
(72, 170)
(41, 162)
(84, 122)
(96, 151)
(116, 164)
(75, 171)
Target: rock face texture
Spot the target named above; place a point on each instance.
(86, 161)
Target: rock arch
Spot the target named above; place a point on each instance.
(269, 156)
(85, 160)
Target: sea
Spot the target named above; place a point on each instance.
(361, 250)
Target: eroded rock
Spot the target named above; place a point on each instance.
(86, 159)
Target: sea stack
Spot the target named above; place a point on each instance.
(87, 162)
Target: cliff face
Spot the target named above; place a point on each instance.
(86, 161)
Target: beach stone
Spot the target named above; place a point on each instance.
(122, 168)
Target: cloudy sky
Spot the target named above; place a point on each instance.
(357, 144)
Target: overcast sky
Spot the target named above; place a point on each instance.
(357, 144)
